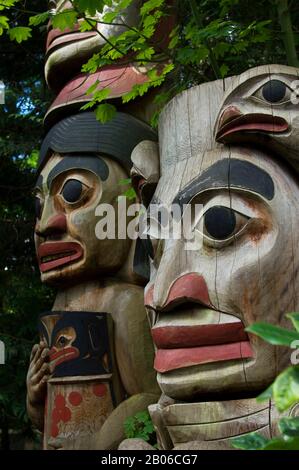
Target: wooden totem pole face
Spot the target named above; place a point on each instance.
(68, 191)
(261, 106)
(243, 267)
(68, 50)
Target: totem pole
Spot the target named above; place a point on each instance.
(93, 367)
(230, 147)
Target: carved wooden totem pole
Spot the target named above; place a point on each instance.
(93, 366)
(229, 147)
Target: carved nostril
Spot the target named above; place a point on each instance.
(55, 226)
(189, 287)
(228, 115)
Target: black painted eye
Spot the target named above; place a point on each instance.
(220, 222)
(274, 91)
(72, 191)
(62, 341)
(38, 207)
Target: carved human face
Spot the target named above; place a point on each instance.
(245, 270)
(68, 191)
(68, 50)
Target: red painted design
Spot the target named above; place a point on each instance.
(59, 413)
(54, 430)
(59, 401)
(75, 398)
(66, 354)
(65, 414)
(189, 287)
(172, 359)
(99, 390)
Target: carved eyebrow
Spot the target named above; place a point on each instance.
(94, 163)
(230, 173)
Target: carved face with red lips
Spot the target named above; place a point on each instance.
(261, 107)
(243, 268)
(68, 50)
(67, 193)
(82, 164)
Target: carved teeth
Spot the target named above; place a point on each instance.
(46, 259)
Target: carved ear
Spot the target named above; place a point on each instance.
(145, 175)
(145, 172)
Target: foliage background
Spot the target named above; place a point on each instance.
(213, 39)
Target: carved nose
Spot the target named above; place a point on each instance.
(56, 225)
(228, 115)
(190, 287)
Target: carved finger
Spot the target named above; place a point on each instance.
(44, 370)
(33, 351)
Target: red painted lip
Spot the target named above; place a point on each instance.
(237, 122)
(167, 360)
(56, 37)
(64, 355)
(72, 251)
(168, 337)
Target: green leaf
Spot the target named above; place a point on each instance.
(273, 334)
(251, 441)
(266, 395)
(150, 5)
(3, 23)
(105, 112)
(90, 6)
(130, 194)
(289, 426)
(125, 181)
(93, 87)
(282, 444)
(101, 95)
(19, 33)
(110, 16)
(87, 25)
(64, 20)
(224, 70)
(39, 19)
(294, 317)
(286, 388)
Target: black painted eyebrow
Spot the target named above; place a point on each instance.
(94, 164)
(230, 173)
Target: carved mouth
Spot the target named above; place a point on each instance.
(57, 38)
(237, 122)
(204, 336)
(63, 355)
(54, 255)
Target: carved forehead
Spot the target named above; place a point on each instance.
(234, 169)
(256, 75)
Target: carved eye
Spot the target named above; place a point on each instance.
(222, 223)
(62, 341)
(274, 92)
(38, 207)
(72, 191)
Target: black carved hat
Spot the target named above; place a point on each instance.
(83, 134)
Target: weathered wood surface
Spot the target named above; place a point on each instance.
(248, 275)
